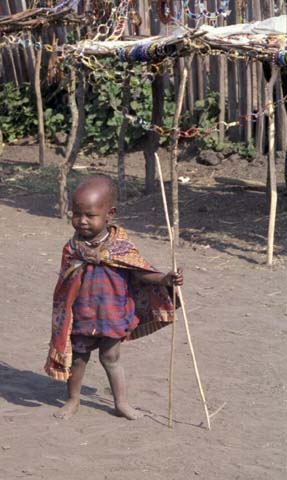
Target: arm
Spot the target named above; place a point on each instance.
(167, 279)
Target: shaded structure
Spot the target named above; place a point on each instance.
(265, 41)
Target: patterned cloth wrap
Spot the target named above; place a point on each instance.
(153, 303)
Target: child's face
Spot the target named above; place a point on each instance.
(91, 213)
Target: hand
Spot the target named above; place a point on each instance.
(173, 278)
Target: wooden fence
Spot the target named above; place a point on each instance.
(240, 84)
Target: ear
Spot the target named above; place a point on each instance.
(111, 213)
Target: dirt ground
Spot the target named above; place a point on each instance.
(238, 321)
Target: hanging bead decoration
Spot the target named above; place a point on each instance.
(223, 10)
(178, 15)
(164, 11)
(281, 58)
(134, 17)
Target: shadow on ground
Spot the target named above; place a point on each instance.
(30, 389)
(226, 217)
(233, 220)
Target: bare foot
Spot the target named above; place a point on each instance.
(68, 410)
(125, 410)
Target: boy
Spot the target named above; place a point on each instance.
(105, 293)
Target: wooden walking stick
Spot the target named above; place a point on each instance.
(181, 297)
(271, 164)
(174, 155)
(172, 351)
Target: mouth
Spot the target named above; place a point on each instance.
(83, 230)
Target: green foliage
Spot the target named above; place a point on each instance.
(103, 122)
(247, 151)
(140, 107)
(207, 110)
(17, 112)
(54, 122)
(103, 111)
(205, 117)
(103, 105)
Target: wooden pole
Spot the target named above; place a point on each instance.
(260, 122)
(190, 83)
(222, 88)
(123, 131)
(157, 87)
(39, 100)
(174, 153)
(232, 78)
(172, 350)
(271, 164)
(1, 143)
(259, 90)
(76, 100)
(280, 117)
(181, 297)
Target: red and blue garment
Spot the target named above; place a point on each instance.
(97, 295)
(104, 305)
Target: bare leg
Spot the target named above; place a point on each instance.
(110, 359)
(80, 361)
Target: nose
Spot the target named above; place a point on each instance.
(83, 220)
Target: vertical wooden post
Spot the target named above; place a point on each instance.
(245, 92)
(152, 142)
(143, 6)
(1, 142)
(8, 59)
(122, 135)
(244, 80)
(267, 8)
(213, 73)
(178, 68)
(260, 122)
(222, 89)
(232, 75)
(76, 103)
(271, 162)
(37, 86)
(5, 8)
(26, 53)
(260, 90)
(280, 117)
(284, 88)
(217, 75)
(248, 128)
(13, 66)
(190, 84)
(174, 138)
(18, 5)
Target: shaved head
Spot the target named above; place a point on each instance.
(99, 187)
(94, 205)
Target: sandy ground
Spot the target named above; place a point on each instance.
(238, 322)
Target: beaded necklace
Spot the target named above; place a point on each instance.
(97, 242)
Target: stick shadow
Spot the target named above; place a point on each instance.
(30, 389)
